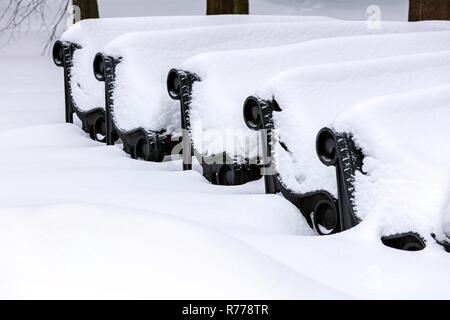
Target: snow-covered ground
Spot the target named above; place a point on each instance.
(79, 219)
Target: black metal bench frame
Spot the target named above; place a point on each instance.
(139, 143)
(92, 121)
(226, 171)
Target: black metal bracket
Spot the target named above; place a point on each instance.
(139, 143)
(339, 150)
(226, 171)
(319, 207)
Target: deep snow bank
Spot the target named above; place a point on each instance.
(227, 78)
(405, 141)
(140, 94)
(93, 34)
(78, 251)
(310, 98)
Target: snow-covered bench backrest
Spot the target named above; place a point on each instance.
(93, 34)
(228, 78)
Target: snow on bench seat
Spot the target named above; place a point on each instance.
(93, 34)
(404, 139)
(227, 79)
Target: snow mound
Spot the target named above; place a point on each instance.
(67, 167)
(405, 141)
(312, 97)
(93, 34)
(227, 78)
(75, 251)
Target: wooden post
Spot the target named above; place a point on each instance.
(227, 7)
(88, 8)
(429, 10)
(415, 9)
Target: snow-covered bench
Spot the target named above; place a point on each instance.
(76, 49)
(446, 220)
(212, 86)
(403, 147)
(134, 67)
(293, 106)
